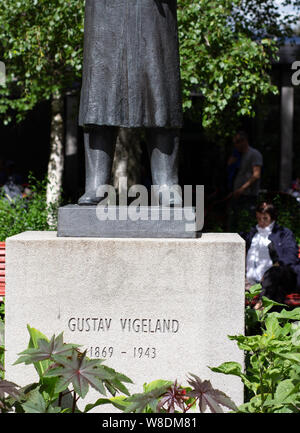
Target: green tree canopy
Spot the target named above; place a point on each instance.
(41, 43)
(226, 51)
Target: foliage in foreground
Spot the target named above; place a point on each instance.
(28, 213)
(271, 377)
(65, 370)
(59, 367)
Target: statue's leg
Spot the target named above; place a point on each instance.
(99, 143)
(163, 146)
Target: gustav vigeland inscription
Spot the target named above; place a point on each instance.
(100, 325)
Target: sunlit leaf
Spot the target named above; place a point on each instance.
(34, 403)
(115, 383)
(174, 396)
(208, 396)
(138, 402)
(9, 388)
(35, 336)
(80, 371)
(46, 350)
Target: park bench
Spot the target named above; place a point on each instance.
(292, 300)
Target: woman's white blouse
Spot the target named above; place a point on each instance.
(258, 257)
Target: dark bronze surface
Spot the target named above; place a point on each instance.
(131, 78)
(131, 72)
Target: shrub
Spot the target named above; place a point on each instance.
(64, 370)
(28, 213)
(272, 376)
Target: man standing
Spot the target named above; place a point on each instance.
(246, 183)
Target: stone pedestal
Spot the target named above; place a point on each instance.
(176, 299)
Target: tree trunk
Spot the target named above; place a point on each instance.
(287, 120)
(71, 147)
(56, 159)
(127, 161)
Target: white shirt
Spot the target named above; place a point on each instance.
(258, 257)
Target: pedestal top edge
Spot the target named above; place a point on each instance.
(38, 236)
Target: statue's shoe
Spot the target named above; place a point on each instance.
(169, 196)
(175, 202)
(89, 199)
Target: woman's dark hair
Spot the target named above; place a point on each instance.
(267, 207)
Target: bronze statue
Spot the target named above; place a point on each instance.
(131, 79)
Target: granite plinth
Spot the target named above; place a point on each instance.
(127, 222)
(157, 308)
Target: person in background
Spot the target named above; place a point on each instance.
(12, 173)
(272, 256)
(233, 165)
(246, 183)
(295, 189)
(12, 188)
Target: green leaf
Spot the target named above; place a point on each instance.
(209, 396)
(35, 402)
(9, 388)
(286, 409)
(115, 382)
(273, 328)
(80, 371)
(268, 304)
(46, 350)
(99, 402)
(119, 402)
(253, 291)
(148, 387)
(255, 404)
(139, 402)
(53, 409)
(48, 388)
(284, 392)
(295, 357)
(35, 336)
(289, 315)
(233, 368)
(286, 397)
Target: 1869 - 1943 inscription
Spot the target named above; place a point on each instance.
(128, 325)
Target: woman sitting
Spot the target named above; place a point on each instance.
(272, 256)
